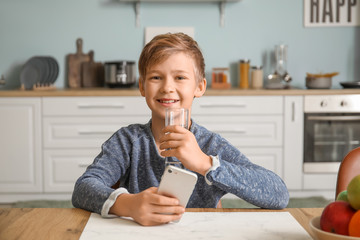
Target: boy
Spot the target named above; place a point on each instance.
(171, 69)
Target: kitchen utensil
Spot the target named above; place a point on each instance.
(322, 235)
(74, 62)
(30, 74)
(350, 84)
(287, 77)
(280, 79)
(319, 75)
(92, 73)
(40, 71)
(44, 68)
(318, 82)
(281, 59)
(54, 69)
(274, 81)
(120, 73)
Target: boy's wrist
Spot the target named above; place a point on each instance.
(121, 205)
(207, 164)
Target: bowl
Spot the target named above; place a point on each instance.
(322, 235)
(318, 82)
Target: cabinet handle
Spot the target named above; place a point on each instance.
(224, 105)
(293, 111)
(231, 131)
(94, 132)
(100, 105)
(334, 118)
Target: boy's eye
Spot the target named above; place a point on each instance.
(155, 77)
(180, 77)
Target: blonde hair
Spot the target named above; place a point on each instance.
(164, 45)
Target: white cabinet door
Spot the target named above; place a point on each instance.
(238, 105)
(95, 106)
(249, 131)
(293, 142)
(20, 145)
(84, 132)
(325, 181)
(64, 167)
(253, 124)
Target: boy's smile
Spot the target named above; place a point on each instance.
(171, 84)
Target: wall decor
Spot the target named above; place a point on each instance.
(331, 13)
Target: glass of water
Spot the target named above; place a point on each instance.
(180, 117)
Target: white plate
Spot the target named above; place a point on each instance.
(30, 75)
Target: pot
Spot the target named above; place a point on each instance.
(120, 74)
(318, 82)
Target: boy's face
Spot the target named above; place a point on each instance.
(171, 84)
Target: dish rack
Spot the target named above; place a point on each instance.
(39, 87)
(39, 73)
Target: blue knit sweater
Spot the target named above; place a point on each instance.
(131, 156)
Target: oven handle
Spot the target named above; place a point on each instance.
(334, 118)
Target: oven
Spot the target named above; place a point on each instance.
(331, 130)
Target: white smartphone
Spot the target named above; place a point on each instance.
(177, 182)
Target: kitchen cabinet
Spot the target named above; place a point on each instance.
(293, 142)
(20, 145)
(64, 166)
(47, 142)
(253, 124)
(74, 129)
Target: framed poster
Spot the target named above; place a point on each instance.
(331, 13)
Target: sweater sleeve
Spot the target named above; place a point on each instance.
(236, 174)
(93, 188)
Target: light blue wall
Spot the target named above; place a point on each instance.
(252, 28)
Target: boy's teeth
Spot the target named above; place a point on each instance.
(167, 101)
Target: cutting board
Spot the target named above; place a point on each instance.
(74, 62)
(92, 73)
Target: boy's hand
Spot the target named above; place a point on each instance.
(148, 208)
(181, 143)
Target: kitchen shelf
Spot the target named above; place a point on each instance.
(137, 6)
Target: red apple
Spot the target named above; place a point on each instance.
(336, 216)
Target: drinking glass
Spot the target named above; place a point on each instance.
(180, 117)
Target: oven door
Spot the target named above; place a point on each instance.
(327, 139)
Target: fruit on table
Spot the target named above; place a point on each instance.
(353, 192)
(336, 216)
(342, 196)
(354, 225)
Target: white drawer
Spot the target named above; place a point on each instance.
(320, 181)
(234, 105)
(79, 132)
(63, 167)
(95, 106)
(269, 158)
(248, 131)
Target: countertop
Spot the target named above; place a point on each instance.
(209, 92)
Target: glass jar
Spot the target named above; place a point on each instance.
(256, 77)
(220, 75)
